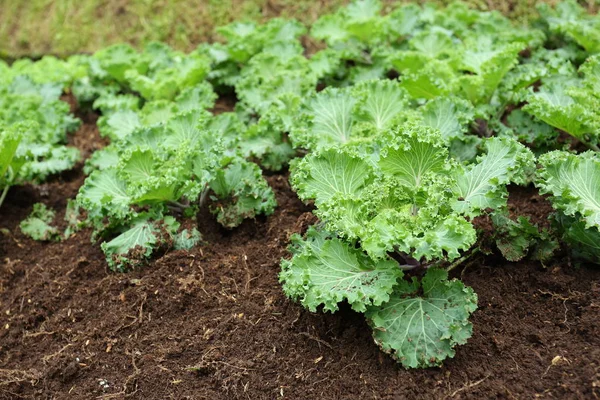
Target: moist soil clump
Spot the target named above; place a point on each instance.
(213, 323)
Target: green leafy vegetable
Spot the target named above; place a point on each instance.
(33, 125)
(37, 225)
(138, 241)
(168, 162)
(403, 207)
(518, 238)
(423, 321)
(326, 271)
(572, 181)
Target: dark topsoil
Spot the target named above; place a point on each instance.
(213, 323)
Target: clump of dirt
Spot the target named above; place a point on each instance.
(213, 323)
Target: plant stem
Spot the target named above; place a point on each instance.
(462, 259)
(586, 140)
(593, 146)
(178, 204)
(203, 197)
(3, 196)
(11, 175)
(409, 260)
(408, 267)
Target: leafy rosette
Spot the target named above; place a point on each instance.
(266, 140)
(399, 201)
(34, 124)
(360, 21)
(571, 181)
(487, 64)
(156, 73)
(240, 192)
(46, 72)
(165, 160)
(269, 76)
(359, 114)
(403, 199)
(271, 87)
(452, 50)
(436, 63)
(358, 37)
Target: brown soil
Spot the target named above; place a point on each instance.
(213, 323)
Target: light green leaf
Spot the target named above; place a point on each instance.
(448, 237)
(37, 224)
(104, 189)
(554, 105)
(187, 239)
(420, 152)
(330, 120)
(379, 102)
(584, 242)
(137, 243)
(573, 182)
(119, 125)
(421, 330)
(333, 271)
(9, 142)
(482, 185)
(186, 127)
(137, 165)
(241, 192)
(320, 176)
(451, 115)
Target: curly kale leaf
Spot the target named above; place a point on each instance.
(488, 68)
(399, 202)
(572, 181)
(9, 142)
(424, 320)
(482, 185)
(37, 224)
(517, 238)
(555, 105)
(336, 117)
(323, 175)
(32, 115)
(574, 22)
(240, 192)
(450, 115)
(136, 243)
(583, 241)
(359, 21)
(329, 120)
(326, 271)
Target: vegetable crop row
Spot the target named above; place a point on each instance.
(402, 129)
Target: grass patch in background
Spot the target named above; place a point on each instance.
(63, 27)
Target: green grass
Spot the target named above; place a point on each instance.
(62, 27)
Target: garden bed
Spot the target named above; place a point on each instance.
(213, 322)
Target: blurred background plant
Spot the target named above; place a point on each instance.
(63, 27)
